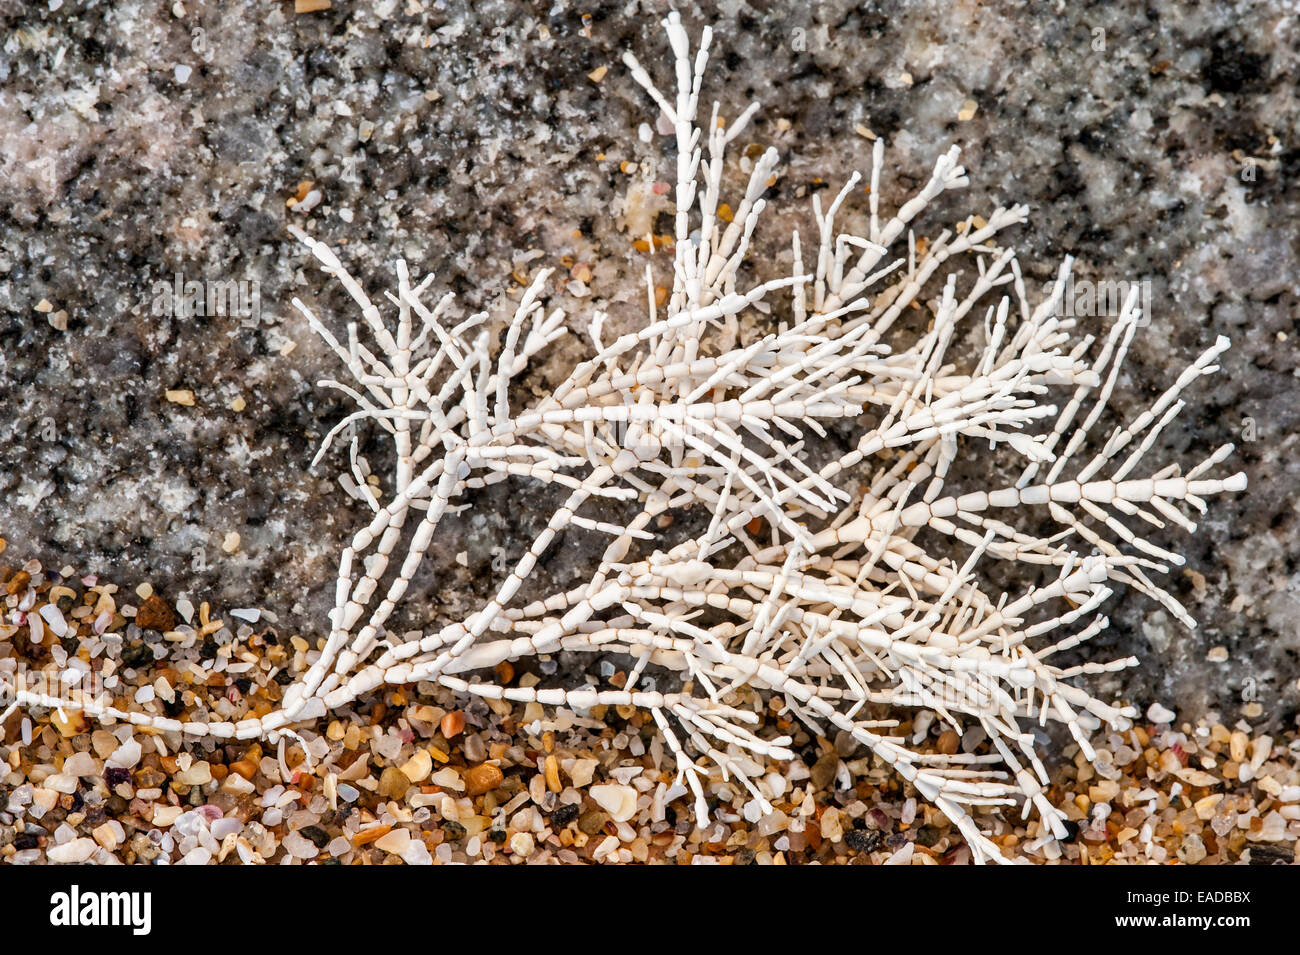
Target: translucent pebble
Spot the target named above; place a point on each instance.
(417, 853)
(347, 793)
(197, 856)
(299, 846)
(388, 746)
(225, 827)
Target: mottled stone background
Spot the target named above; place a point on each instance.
(139, 141)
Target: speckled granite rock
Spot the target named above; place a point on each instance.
(142, 142)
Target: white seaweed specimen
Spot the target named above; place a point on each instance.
(862, 594)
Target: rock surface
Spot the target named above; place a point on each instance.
(142, 142)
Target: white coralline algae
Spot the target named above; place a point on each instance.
(841, 583)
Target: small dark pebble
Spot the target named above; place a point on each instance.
(283, 677)
(454, 831)
(1271, 855)
(927, 836)
(25, 841)
(745, 857)
(137, 655)
(497, 835)
(318, 836)
(565, 814)
(116, 806)
(863, 840)
(115, 775)
(1071, 830)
